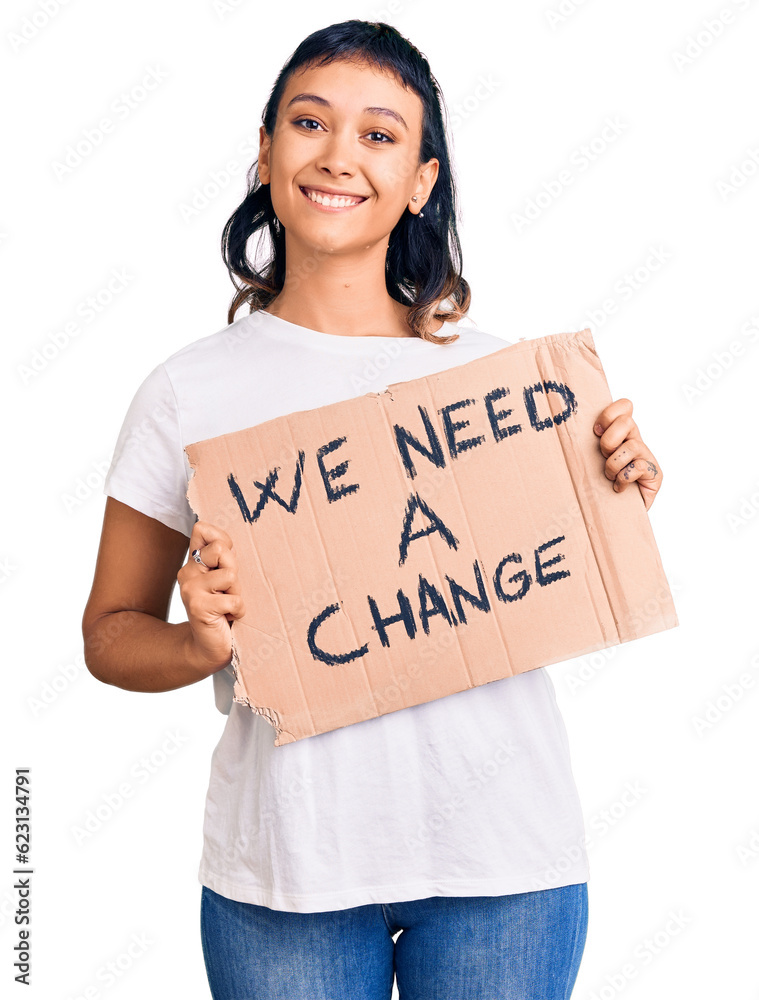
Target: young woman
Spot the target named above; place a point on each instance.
(456, 822)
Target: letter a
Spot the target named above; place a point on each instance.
(415, 503)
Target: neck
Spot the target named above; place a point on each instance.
(343, 294)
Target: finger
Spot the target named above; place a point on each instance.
(204, 533)
(630, 449)
(628, 474)
(223, 605)
(616, 433)
(215, 554)
(646, 473)
(237, 609)
(617, 408)
(220, 580)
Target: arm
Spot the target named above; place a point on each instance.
(127, 640)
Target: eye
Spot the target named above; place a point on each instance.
(299, 121)
(385, 137)
(389, 138)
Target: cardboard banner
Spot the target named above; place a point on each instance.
(447, 532)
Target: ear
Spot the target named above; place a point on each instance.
(427, 176)
(263, 155)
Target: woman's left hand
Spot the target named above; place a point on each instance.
(627, 458)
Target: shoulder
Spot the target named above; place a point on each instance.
(220, 343)
(475, 337)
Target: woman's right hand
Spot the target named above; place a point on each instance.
(211, 595)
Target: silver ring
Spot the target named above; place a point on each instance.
(196, 557)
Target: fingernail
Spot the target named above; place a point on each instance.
(598, 428)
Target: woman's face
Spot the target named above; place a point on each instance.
(358, 131)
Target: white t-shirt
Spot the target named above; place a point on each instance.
(469, 795)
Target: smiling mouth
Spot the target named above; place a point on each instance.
(331, 203)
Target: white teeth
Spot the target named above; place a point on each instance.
(334, 202)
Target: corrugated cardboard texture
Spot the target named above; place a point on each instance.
(442, 534)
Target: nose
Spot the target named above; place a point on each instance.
(337, 154)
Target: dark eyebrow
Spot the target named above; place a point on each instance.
(315, 99)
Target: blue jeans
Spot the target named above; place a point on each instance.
(524, 946)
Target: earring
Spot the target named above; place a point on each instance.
(414, 198)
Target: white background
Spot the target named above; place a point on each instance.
(525, 91)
